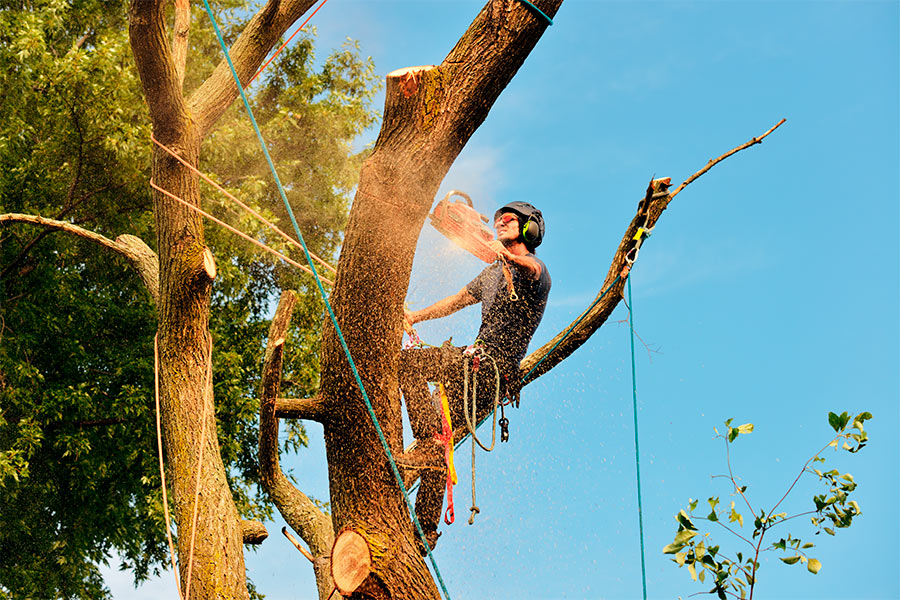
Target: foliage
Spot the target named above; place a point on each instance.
(78, 470)
(735, 574)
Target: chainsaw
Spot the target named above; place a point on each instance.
(463, 225)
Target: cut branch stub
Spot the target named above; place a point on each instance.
(351, 561)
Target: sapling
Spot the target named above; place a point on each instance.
(735, 574)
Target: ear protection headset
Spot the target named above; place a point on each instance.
(531, 222)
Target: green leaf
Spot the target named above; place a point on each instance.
(813, 565)
(829, 531)
(672, 548)
(790, 560)
(834, 421)
(682, 537)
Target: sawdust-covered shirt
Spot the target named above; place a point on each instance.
(507, 325)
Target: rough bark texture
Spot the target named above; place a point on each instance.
(429, 115)
(298, 510)
(213, 564)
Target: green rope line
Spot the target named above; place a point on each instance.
(331, 314)
(637, 448)
(537, 11)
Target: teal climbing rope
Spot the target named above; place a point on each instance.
(637, 448)
(331, 314)
(537, 11)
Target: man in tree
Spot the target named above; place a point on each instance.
(513, 294)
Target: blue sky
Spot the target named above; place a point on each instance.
(769, 290)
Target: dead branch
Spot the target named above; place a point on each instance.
(139, 254)
(714, 162)
(254, 532)
(649, 211)
(300, 513)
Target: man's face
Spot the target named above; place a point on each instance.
(507, 226)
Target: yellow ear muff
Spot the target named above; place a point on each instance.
(528, 232)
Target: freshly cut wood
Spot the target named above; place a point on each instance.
(351, 561)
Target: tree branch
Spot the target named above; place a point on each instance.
(301, 514)
(217, 93)
(141, 257)
(309, 409)
(649, 211)
(254, 532)
(180, 38)
(156, 67)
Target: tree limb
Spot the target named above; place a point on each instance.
(217, 93)
(310, 409)
(254, 532)
(180, 38)
(648, 213)
(156, 67)
(141, 257)
(300, 513)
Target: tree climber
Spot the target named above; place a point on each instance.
(513, 294)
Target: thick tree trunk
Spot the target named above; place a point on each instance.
(211, 553)
(430, 113)
(211, 558)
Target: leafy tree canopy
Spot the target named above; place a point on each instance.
(78, 468)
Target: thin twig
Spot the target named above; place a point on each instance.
(715, 161)
(731, 476)
(802, 471)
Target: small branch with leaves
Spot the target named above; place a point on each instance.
(735, 576)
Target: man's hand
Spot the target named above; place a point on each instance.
(498, 247)
(408, 320)
(524, 262)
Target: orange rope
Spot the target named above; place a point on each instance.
(239, 203)
(237, 232)
(162, 471)
(207, 396)
(285, 44)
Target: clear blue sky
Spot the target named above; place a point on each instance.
(769, 288)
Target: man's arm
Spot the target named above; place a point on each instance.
(442, 308)
(528, 264)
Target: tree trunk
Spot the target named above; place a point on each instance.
(429, 115)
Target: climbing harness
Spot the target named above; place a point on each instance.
(330, 310)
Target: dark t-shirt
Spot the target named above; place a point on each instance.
(506, 325)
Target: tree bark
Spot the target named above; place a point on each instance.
(429, 115)
(298, 510)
